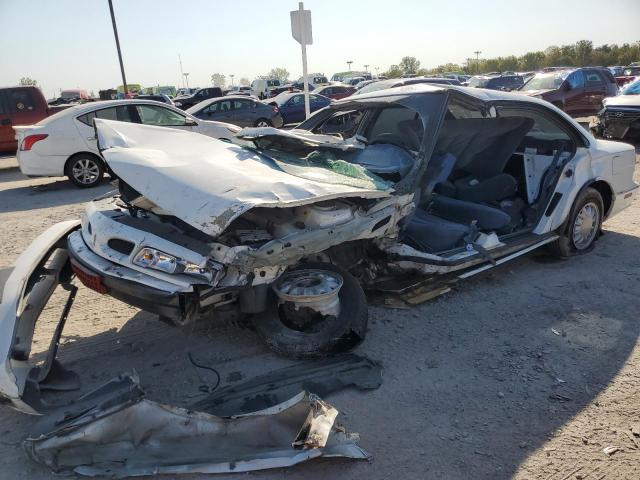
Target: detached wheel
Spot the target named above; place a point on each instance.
(315, 309)
(582, 228)
(85, 170)
(263, 122)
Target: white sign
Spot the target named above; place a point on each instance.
(301, 26)
(301, 31)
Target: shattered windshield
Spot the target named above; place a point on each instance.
(326, 166)
(318, 157)
(372, 145)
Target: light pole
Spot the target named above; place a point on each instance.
(186, 78)
(366, 68)
(349, 62)
(232, 79)
(377, 68)
(477, 52)
(115, 34)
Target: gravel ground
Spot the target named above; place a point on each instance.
(526, 372)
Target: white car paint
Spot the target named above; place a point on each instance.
(207, 183)
(67, 135)
(14, 372)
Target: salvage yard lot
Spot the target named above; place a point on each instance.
(528, 371)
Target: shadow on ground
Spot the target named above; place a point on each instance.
(474, 381)
(49, 193)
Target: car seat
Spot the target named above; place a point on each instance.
(482, 146)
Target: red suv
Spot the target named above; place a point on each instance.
(19, 106)
(578, 91)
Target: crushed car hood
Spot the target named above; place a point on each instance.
(207, 182)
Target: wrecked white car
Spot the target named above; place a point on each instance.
(397, 192)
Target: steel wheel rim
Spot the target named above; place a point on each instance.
(85, 171)
(585, 226)
(263, 124)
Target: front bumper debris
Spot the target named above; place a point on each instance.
(37, 273)
(115, 431)
(612, 123)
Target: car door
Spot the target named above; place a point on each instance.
(163, 117)
(84, 123)
(210, 112)
(595, 90)
(576, 100)
(244, 113)
(294, 109)
(317, 102)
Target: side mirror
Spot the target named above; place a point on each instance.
(190, 122)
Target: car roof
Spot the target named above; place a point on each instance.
(417, 88)
(91, 106)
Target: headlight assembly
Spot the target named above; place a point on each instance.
(158, 260)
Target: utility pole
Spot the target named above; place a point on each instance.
(115, 33)
(477, 52)
(349, 62)
(181, 71)
(366, 68)
(377, 68)
(232, 79)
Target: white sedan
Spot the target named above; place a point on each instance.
(65, 143)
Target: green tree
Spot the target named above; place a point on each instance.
(280, 73)
(584, 50)
(394, 72)
(27, 82)
(218, 80)
(409, 65)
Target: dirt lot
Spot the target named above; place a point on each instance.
(477, 384)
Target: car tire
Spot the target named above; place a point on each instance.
(85, 170)
(263, 122)
(582, 228)
(335, 334)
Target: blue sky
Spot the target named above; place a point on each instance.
(69, 43)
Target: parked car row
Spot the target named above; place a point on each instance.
(578, 91)
(64, 144)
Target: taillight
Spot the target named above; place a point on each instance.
(30, 140)
(275, 109)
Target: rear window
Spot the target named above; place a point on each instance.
(114, 113)
(20, 100)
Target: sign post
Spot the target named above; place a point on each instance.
(301, 31)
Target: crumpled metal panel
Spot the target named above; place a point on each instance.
(123, 434)
(321, 376)
(206, 182)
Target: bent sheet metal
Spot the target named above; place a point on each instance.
(119, 433)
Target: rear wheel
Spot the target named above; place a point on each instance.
(582, 228)
(85, 170)
(314, 309)
(263, 122)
